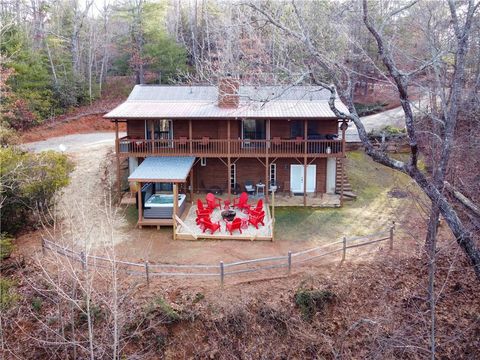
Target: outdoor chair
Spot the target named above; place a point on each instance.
(201, 208)
(241, 202)
(249, 187)
(236, 224)
(257, 208)
(201, 217)
(256, 219)
(213, 202)
(273, 187)
(208, 224)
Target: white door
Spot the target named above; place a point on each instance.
(331, 175)
(297, 175)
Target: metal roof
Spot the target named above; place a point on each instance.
(163, 169)
(201, 102)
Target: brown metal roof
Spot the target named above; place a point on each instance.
(147, 102)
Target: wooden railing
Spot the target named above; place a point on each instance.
(239, 148)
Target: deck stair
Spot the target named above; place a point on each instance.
(343, 177)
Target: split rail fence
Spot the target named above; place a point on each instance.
(224, 269)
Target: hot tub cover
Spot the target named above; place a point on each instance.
(163, 169)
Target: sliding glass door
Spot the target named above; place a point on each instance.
(162, 129)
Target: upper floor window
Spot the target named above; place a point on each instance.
(162, 129)
(253, 129)
(297, 128)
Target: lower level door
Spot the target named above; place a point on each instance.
(297, 178)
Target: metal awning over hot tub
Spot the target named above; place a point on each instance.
(172, 169)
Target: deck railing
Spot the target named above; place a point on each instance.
(217, 147)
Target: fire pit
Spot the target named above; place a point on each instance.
(228, 215)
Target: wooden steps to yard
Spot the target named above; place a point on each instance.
(342, 177)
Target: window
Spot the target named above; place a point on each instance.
(162, 129)
(273, 174)
(253, 129)
(233, 175)
(297, 128)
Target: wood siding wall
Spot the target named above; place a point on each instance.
(215, 173)
(218, 129)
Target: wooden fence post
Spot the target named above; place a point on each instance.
(392, 229)
(147, 273)
(289, 262)
(83, 259)
(344, 248)
(222, 273)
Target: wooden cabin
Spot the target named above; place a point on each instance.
(284, 138)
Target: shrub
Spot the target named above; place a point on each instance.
(160, 307)
(8, 296)
(311, 301)
(29, 182)
(8, 136)
(6, 246)
(37, 304)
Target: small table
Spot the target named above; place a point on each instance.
(260, 190)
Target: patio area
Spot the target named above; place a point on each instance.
(187, 228)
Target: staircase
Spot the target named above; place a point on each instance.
(342, 177)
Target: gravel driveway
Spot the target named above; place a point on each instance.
(84, 204)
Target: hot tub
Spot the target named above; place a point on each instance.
(160, 206)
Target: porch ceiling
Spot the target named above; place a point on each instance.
(163, 169)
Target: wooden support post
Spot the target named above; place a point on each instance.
(190, 132)
(117, 155)
(392, 230)
(175, 208)
(229, 173)
(273, 215)
(229, 162)
(289, 262)
(305, 181)
(342, 176)
(222, 274)
(191, 185)
(266, 179)
(305, 136)
(344, 248)
(147, 273)
(140, 205)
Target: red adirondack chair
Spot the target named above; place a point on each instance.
(256, 219)
(208, 224)
(213, 202)
(241, 202)
(204, 215)
(201, 209)
(257, 209)
(236, 224)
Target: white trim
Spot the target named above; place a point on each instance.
(203, 161)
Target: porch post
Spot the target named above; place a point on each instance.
(267, 147)
(140, 205)
(190, 135)
(229, 165)
(191, 185)
(117, 155)
(305, 136)
(175, 207)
